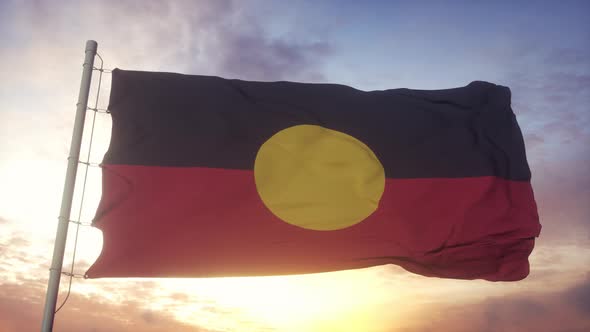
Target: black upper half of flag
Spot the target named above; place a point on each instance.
(168, 119)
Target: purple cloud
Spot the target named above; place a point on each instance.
(255, 57)
(542, 312)
(567, 56)
(579, 297)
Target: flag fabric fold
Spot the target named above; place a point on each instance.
(208, 177)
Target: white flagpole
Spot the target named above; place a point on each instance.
(68, 193)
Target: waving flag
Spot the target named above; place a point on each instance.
(208, 177)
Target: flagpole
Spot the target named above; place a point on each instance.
(68, 192)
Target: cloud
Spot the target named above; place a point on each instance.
(524, 311)
(181, 297)
(21, 308)
(221, 38)
(567, 56)
(18, 241)
(579, 297)
(15, 250)
(567, 82)
(215, 37)
(254, 56)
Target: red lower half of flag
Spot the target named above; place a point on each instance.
(208, 222)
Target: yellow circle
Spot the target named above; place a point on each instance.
(318, 178)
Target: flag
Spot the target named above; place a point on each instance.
(209, 177)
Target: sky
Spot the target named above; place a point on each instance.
(540, 49)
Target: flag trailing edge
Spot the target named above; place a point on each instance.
(207, 176)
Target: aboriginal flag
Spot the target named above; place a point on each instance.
(208, 177)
